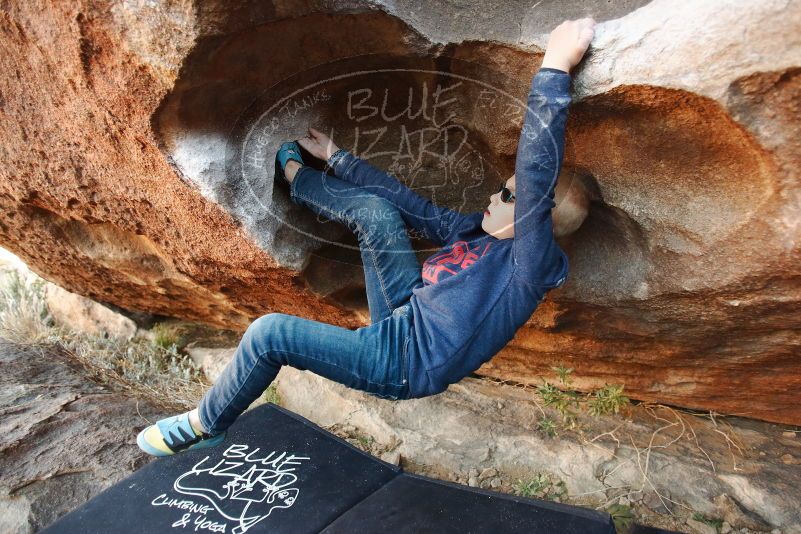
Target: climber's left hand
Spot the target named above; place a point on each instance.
(318, 144)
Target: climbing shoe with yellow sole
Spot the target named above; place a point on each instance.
(174, 434)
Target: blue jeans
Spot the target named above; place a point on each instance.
(374, 358)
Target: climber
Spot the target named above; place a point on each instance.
(430, 327)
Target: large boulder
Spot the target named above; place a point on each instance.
(138, 140)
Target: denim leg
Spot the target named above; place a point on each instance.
(391, 268)
(372, 359)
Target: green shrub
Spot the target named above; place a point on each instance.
(542, 486)
(167, 335)
(271, 394)
(547, 426)
(607, 400)
(564, 374)
(534, 487)
(561, 401)
(713, 522)
(622, 516)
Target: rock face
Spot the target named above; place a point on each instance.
(138, 143)
(63, 438)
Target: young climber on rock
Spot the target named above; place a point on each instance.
(430, 327)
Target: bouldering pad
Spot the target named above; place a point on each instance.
(279, 472)
(275, 472)
(412, 503)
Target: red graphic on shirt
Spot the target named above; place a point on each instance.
(460, 256)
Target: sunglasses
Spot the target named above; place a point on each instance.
(506, 194)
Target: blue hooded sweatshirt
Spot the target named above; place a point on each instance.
(478, 290)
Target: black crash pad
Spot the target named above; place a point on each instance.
(413, 503)
(278, 472)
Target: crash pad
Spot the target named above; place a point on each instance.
(278, 472)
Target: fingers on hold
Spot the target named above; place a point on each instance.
(585, 22)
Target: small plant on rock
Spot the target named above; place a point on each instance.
(563, 373)
(534, 487)
(622, 516)
(607, 400)
(547, 426)
(167, 335)
(541, 486)
(713, 522)
(365, 441)
(562, 401)
(271, 394)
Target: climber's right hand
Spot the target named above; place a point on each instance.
(567, 43)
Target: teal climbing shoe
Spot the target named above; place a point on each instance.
(288, 151)
(174, 434)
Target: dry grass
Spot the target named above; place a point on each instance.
(157, 370)
(24, 318)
